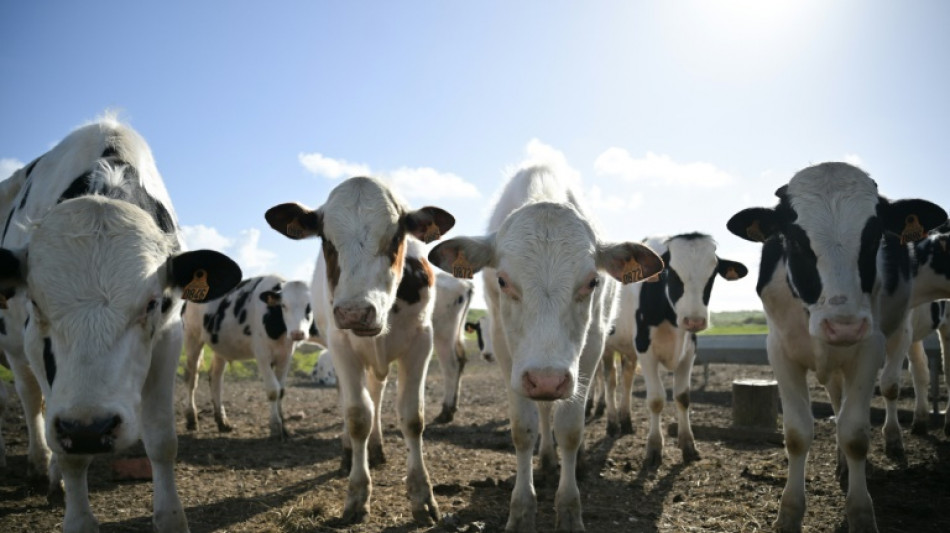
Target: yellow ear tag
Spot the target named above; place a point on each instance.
(432, 233)
(461, 268)
(913, 230)
(632, 271)
(197, 288)
(754, 232)
(294, 229)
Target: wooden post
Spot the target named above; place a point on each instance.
(755, 403)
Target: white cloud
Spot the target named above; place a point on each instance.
(660, 168)
(333, 169)
(853, 159)
(8, 166)
(600, 201)
(253, 259)
(538, 153)
(414, 183)
(203, 237)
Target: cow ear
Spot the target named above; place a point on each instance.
(470, 327)
(755, 224)
(295, 221)
(202, 274)
(429, 223)
(731, 270)
(629, 262)
(271, 298)
(464, 256)
(911, 219)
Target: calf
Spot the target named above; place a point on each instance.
(323, 373)
(926, 319)
(482, 330)
(92, 254)
(374, 292)
(452, 299)
(834, 271)
(263, 318)
(551, 306)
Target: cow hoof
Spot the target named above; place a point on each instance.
(690, 454)
(191, 423)
(354, 514)
(613, 429)
(56, 496)
(653, 459)
(601, 408)
(919, 427)
(376, 456)
(446, 416)
(427, 513)
(626, 427)
(894, 449)
(224, 427)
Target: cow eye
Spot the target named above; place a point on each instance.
(594, 283)
(501, 282)
(151, 305)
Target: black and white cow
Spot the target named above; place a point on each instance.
(660, 320)
(373, 294)
(482, 330)
(835, 280)
(551, 303)
(452, 300)
(92, 253)
(926, 319)
(263, 318)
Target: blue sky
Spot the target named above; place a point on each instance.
(674, 115)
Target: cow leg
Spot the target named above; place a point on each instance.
(681, 384)
(897, 346)
(609, 367)
(4, 398)
(546, 448)
(451, 366)
(410, 399)
(215, 375)
(854, 428)
(79, 517)
(656, 400)
(523, 414)
(194, 353)
(357, 408)
(799, 428)
(159, 437)
(835, 388)
(944, 333)
(920, 373)
(28, 389)
(569, 428)
(629, 365)
(273, 368)
(376, 387)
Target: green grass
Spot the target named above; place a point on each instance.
(737, 323)
(300, 367)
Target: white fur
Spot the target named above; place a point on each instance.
(323, 373)
(452, 299)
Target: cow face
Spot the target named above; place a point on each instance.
(831, 222)
(364, 228)
(103, 285)
(290, 300)
(691, 269)
(545, 268)
(482, 331)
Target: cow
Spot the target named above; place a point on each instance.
(452, 299)
(543, 266)
(834, 280)
(263, 318)
(660, 320)
(926, 319)
(374, 289)
(92, 254)
(482, 330)
(323, 373)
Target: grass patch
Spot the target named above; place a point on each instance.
(300, 366)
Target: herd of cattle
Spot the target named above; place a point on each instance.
(93, 319)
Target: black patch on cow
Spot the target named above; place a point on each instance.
(313, 332)
(3, 326)
(897, 262)
(802, 264)
(935, 251)
(308, 312)
(32, 165)
(166, 304)
(48, 360)
(80, 186)
(936, 313)
(213, 321)
(416, 277)
(274, 322)
(694, 236)
(654, 308)
(7, 225)
(110, 151)
(867, 256)
(707, 290)
(247, 330)
(243, 293)
(26, 194)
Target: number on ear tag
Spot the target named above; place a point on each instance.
(632, 271)
(197, 288)
(461, 268)
(913, 230)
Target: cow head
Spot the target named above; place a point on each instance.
(691, 268)
(103, 283)
(482, 331)
(291, 299)
(831, 222)
(545, 268)
(363, 227)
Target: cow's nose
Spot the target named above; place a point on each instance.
(87, 437)
(694, 324)
(547, 384)
(360, 319)
(297, 335)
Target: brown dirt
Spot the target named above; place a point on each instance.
(243, 481)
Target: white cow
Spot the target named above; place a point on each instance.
(92, 250)
(452, 299)
(323, 373)
(834, 281)
(660, 320)
(374, 277)
(551, 305)
(482, 330)
(263, 318)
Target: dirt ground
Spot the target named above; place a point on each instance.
(244, 481)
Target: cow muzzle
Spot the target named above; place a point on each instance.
(297, 335)
(360, 319)
(844, 332)
(547, 384)
(87, 436)
(694, 324)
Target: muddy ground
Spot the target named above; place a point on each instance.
(244, 481)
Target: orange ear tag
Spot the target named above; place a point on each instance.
(197, 288)
(754, 232)
(913, 230)
(461, 268)
(432, 233)
(294, 230)
(632, 271)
